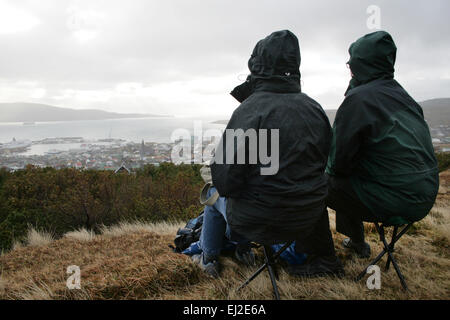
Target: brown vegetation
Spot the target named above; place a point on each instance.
(133, 261)
(60, 201)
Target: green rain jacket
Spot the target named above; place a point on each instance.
(380, 138)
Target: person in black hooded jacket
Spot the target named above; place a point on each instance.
(270, 204)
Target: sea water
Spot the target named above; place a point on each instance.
(157, 130)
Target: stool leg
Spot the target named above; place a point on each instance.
(272, 270)
(261, 269)
(374, 262)
(391, 247)
(399, 273)
(391, 258)
(268, 253)
(270, 261)
(268, 264)
(380, 230)
(274, 282)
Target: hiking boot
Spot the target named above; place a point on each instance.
(318, 266)
(362, 249)
(211, 268)
(245, 255)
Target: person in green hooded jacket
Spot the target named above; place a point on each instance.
(382, 165)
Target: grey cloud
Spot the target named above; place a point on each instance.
(155, 42)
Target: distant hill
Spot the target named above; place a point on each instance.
(436, 112)
(32, 112)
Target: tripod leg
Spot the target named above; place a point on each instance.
(399, 273)
(374, 262)
(391, 247)
(268, 253)
(380, 231)
(270, 261)
(391, 258)
(267, 264)
(274, 282)
(261, 269)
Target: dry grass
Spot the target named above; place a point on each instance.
(132, 266)
(36, 238)
(133, 261)
(81, 235)
(17, 245)
(2, 286)
(125, 228)
(36, 291)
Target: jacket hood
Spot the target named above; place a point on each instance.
(274, 66)
(372, 57)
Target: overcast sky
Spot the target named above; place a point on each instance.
(183, 57)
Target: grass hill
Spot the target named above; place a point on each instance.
(133, 261)
(32, 112)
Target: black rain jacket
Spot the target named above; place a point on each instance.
(283, 206)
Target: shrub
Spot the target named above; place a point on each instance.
(443, 160)
(59, 201)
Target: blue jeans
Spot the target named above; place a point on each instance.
(215, 228)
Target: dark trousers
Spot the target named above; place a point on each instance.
(350, 211)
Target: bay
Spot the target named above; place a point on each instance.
(148, 129)
(157, 130)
